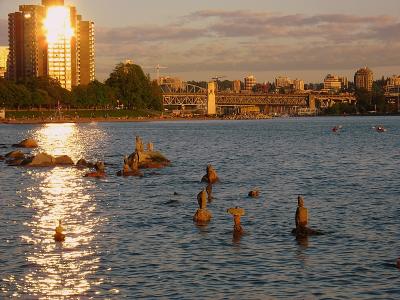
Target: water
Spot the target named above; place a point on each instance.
(133, 238)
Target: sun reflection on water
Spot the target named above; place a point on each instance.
(60, 193)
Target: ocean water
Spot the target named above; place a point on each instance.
(132, 238)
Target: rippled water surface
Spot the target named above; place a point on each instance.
(133, 238)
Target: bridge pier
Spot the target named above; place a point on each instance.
(211, 99)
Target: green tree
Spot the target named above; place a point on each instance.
(364, 100)
(133, 88)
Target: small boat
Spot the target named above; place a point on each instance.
(337, 128)
(380, 128)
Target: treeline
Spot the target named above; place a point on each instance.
(126, 87)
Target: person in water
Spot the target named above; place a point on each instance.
(59, 236)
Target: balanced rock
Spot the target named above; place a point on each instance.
(237, 213)
(211, 176)
(146, 159)
(28, 143)
(202, 215)
(63, 160)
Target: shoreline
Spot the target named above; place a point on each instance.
(36, 121)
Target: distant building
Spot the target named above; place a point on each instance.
(51, 40)
(332, 83)
(392, 83)
(298, 85)
(236, 86)
(363, 79)
(3, 61)
(282, 82)
(344, 81)
(174, 82)
(249, 82)
(335, 83)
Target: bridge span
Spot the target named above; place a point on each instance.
(212, 101)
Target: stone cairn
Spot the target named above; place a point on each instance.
(202, 215)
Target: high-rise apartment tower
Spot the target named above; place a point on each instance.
(51, 40)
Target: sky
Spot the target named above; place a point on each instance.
(197, 40)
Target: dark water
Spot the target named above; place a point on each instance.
(133, 238)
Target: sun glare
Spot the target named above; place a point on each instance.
(58, 24)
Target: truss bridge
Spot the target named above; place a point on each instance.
(208, 99)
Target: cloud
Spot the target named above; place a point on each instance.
(3, 32)
(246, 41)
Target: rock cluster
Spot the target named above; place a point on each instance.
(146, 158)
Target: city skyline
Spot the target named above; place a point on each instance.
(200, 40)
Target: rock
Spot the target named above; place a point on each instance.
(254, 194)
(64, 160)
(15, 155)
(202, 217)
(211, 176)
(96, 174)
(82, 163)
(28, 143)
(40, 160)
(2, 158)
(237, 213)
(209, 192)
(15, 162)
(146, 159)
(100, 171)
(130, 173)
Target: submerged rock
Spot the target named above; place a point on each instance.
(254, 194)
(28, 143)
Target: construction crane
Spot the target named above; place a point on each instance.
(216, 78)
(157, 68)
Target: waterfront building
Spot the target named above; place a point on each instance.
(282, 82)
(364, 78)
(249, 82)
(52, 40)
(236, 86)
(3, 60)
(298, 85)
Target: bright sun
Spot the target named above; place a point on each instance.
(58, 24)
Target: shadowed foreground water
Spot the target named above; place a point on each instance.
(133, 238)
